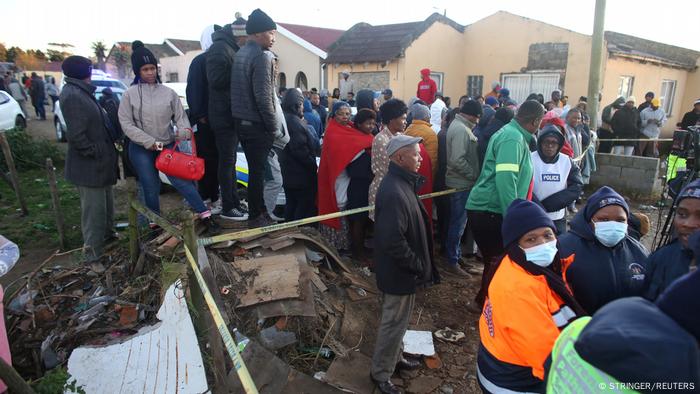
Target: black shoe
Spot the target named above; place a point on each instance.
(235, 214)
(408, 364)
(261, 221)
(386, 387)
(213, 228)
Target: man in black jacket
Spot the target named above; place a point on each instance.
(217, 73)
(322, 112)
(91, 161)
(38, 93)
(253, 108)
(404, 262)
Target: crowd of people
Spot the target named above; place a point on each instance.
(518, 169)
(31, 88)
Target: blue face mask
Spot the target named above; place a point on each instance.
(610, 233)
(542, 254)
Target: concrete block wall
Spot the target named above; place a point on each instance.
(628, 174)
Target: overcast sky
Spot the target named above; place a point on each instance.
(33, 24)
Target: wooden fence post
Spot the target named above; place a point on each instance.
(203, 319)
(13, 172)
(133, 221)
(56, 201)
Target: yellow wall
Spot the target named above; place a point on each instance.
(395, 69)
(294, 58)
(176, 64)
(437, 50)
(647, 77)
(500, 43)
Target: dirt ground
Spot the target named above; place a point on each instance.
(438, 307)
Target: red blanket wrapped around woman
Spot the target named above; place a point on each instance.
(340, 146)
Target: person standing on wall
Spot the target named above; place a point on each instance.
(253, 108)
(427, 88)
(219, 61)
(91, 161)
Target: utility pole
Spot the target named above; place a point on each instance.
(594, 83)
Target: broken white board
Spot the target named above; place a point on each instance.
(418, 343)
(163, 358)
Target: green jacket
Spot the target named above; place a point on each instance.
(507, 171)
(462, 156)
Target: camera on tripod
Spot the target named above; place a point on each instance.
(685, 143)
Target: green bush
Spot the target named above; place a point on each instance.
(30, 153)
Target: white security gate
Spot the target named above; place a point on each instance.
(522, 85)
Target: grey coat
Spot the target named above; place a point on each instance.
(252, 87)
(91, 160)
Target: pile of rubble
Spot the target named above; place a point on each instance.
(60, 308)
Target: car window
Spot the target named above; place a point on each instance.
(4, 98)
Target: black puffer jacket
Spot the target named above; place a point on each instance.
(252, 86)
(218, 70)
(298, 160)
(402, 228)
(91, 160)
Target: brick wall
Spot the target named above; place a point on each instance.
(628, 174)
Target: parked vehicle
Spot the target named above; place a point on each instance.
(11, 115)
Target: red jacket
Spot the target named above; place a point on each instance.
(340, 145)
(426, 87)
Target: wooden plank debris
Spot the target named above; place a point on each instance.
(277, 278)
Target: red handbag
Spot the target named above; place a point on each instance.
(181, 165)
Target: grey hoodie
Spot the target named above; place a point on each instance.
(146, 112)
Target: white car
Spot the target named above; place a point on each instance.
(11, 115)
(60, 123)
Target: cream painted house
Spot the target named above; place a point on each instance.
(301, 52)
(522, 54)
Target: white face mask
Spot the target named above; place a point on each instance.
(542, 254)
(610, 233)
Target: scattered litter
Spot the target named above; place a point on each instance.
(449, 335)
(433, 362)
(314, 256)
(274, 339)
(648, 208)
(418, 343)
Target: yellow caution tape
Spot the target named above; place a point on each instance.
(238, 364)
(283, 226)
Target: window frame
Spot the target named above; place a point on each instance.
(475, 89)
(439, 78)
(668, 109)
(630, 87)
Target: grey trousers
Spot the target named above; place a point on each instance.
(396, 312)
(96, 218)
(273, 181)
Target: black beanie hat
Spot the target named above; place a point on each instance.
(471, 107)
(77, 67)
(602, 198)
(140, 56)
(258, 22)
(523, 216)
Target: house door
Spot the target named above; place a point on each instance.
(522, 85)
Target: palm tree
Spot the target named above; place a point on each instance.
(99, 48)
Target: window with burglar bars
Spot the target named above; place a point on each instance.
(475, 85)
(668, 91)
(626, 85)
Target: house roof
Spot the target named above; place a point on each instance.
(367, 43)
(320, 37)
(625, 45)
(185, 45)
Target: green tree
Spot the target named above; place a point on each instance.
(56, 56)
(13, 53)
(99, 49)
(3, 52)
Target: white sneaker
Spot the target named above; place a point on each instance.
(275, 217)
(215, 208)
(235, 215)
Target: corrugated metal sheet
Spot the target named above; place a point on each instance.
(164, 358)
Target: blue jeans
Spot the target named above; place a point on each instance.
(144, 163)
(458, 221)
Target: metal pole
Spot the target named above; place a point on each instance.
(133, 221)
(594, 75)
